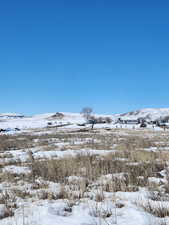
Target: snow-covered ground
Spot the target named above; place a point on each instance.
(149, 113)
(72, 120)
(130, 167)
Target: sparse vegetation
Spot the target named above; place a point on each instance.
(110, 163)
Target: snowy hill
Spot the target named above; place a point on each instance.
(148, 113)
(38, 121)
(10, 120)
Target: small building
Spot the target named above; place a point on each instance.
(120, 121)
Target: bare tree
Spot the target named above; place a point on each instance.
(93, 121)
(108, 119)
(86, 112)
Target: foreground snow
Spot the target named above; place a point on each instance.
(58, 213)
(35, 204)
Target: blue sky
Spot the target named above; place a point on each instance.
(64, 55)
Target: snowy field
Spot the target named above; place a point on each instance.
(73, 175)
(73, 120)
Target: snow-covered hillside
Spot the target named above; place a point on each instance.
(148, 113)
(41, 120)
(10, 120)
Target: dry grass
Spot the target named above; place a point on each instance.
(131, 159)
(8, 199)
(92, 167)
(158, 209)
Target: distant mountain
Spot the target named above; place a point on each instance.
(148, 113)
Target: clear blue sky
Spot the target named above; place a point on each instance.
(64, 55)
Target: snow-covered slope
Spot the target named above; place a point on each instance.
(39, 121)
(148, 113)
(10, 120)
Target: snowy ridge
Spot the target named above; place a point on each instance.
(148, 113)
